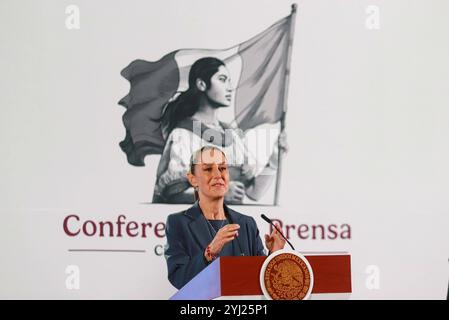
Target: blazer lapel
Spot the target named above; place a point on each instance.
(242, 239)
(198, 226)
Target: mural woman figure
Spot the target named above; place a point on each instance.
(209, 89)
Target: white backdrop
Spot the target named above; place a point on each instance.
(367, 125)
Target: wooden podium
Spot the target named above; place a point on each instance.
(238, 278)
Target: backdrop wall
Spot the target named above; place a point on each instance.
(367, 126)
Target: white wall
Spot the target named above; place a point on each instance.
(367, 126)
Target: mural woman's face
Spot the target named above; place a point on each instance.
(220, 90)
(211, 174)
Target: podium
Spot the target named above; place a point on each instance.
(238, 278)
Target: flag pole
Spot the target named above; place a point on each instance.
(286, 83)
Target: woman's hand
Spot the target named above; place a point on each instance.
(226, 234)
(282, 146)
(274, 241)
(247, 171)
(235, 193)
(282, 141)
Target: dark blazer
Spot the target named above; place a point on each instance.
(188, 236)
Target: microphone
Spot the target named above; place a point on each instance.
(271, 222)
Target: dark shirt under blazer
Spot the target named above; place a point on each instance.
(188, 236)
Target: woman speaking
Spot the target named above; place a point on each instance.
(209, 229)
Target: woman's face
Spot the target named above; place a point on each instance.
(211, 174)
(220, 90)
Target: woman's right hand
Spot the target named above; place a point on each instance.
(235, 193)
(226, 234)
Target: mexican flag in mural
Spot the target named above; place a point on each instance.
(258, 66)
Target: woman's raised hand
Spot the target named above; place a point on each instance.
(282, 146)
(282, 141)
(226, 234)
(274, 241)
